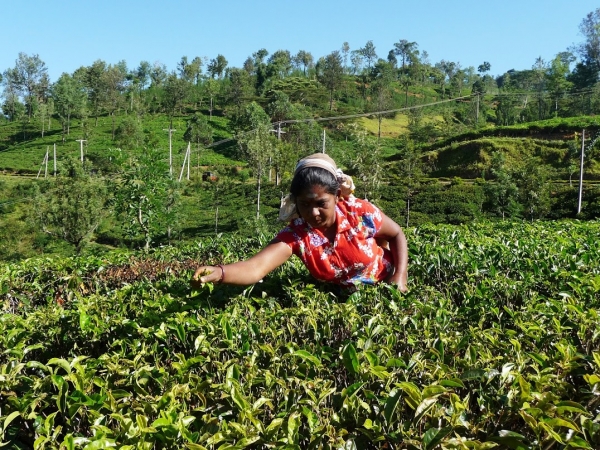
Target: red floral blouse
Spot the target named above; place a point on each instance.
(354, 257)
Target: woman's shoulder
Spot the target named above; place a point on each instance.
(297, 227)
(356, 205)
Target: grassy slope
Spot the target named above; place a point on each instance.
(26, 156)
(467, 155)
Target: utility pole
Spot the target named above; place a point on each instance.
(189, 156)
(44, 163)
(170, 130)
(186, 160)
(581, 172)
(81, 141)
(323, 141)
(54, 159)
(279, 133)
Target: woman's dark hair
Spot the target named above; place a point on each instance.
(314, 176)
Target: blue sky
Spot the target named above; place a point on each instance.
(67, 34)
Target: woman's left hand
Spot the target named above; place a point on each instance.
(400, 281)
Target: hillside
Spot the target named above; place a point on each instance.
(465, 154)
(413, 172)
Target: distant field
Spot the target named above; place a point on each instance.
(391, 127)
(27, 156)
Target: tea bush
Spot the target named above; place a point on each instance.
(495, 346)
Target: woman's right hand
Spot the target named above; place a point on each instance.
(206, 274)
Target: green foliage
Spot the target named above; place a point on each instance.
(534, 189)
(72, 207)
(145, 198)
(495, 346)
(502, 192)
(130, 134)
(198, 131)
(365, 163)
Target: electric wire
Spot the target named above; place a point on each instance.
(334, 118)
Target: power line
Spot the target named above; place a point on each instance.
(320, 119)
(373, 113)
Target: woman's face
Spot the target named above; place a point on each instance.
(317, 207)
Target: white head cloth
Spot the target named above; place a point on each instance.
(288, 211)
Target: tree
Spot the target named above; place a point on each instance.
(93, 84)
(368, 53)
(381, 91)
(158, 74)
(540, 70)
(138, 79)
(190, 72)
(484, 68)
(279, 64)
(357, 61)
(260, 68)
(145, 196)
(199, 131)
(249, 66)
(69, 99)
(239, 89)
(30, 77)
(534, 189)
(130, 133)
(211, 88)
(506, 105)
(142, 74)
(45, 112)
(256, 143)
(391, 58)
(216, 67)
(410, 173)
(502, 193)
(279, 106)
(345, 52)
(304, 59)
(366, 162)
(112, 84)
(421, 131)
(448, 69)
(586, 72)
(72, 208)
(175, 93)
(409, 56)
(330, 74)
(12, 107)
(406, 51)
(457, 82)
(558, 72)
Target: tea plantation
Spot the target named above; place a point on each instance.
(496, 345)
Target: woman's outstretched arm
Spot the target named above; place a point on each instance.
(245, 272)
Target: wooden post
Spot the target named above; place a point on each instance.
(81, 141)
(217, 220)
(183, 165)
(46, 159)
(279, 132)
(581, 172)
(189, 156)
(170, 130)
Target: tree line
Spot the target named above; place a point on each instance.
(346, 80)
